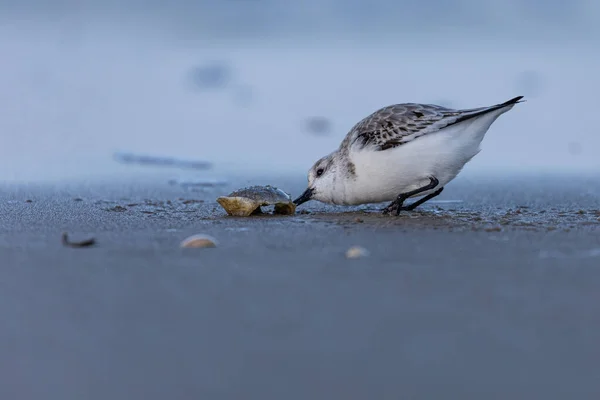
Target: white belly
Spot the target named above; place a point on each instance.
(383, 175)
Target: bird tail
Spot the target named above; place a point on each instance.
(515, 100)
(476, 112)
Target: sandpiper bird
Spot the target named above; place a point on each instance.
(401, 151)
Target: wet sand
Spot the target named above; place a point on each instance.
(490, 292)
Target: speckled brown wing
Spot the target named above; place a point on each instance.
(398, 124)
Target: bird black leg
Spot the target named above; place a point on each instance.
(422, 200)
(397, 205)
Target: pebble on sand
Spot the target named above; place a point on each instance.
(84, 243)
(199, 241)
(356, 252)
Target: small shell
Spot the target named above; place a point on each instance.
(247, 201)
(356, 252)
(239, 206)
(284, 208)
(199, 241)
(85, 243)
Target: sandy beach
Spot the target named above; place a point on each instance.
(133, 117)
(490, 292)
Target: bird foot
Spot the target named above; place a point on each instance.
(393, 208)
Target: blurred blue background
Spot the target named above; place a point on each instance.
(270, 85)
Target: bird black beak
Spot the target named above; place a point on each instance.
(304, 197)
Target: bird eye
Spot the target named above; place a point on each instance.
(320, 172)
